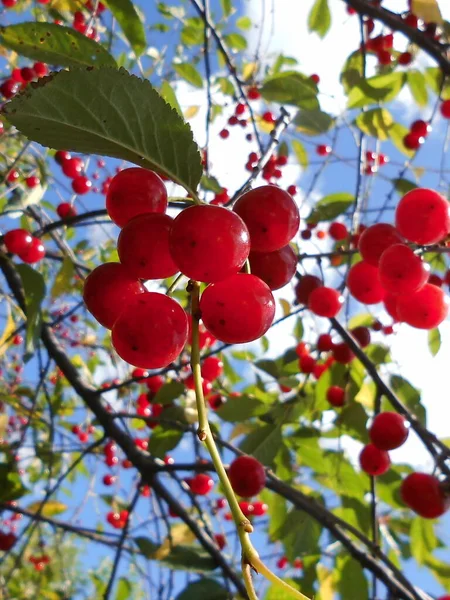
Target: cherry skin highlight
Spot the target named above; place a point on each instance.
(374, 461)
(423, 217)
(107, 290)
(151, 331)
(134, 192)
(209, 243)
(375, 240)
(425, 309)
(401, 271)
(143, 247)
(238, 309)
(33, 253)
(325, 302)
(271, 215)
(17, 240)
(424, 495)
(364, 284)
(274, 268)
(201, 484)
(247, 476)
(389, 431)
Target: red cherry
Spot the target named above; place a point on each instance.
(65, 210)
(374, 461)
(81, 185)
(17, 240)
(305, 286)
(72, 167)
(342, 353)
(247, 476)
(405, 59)
(423, 217)
(336, 396)
(274, 268)
(315, 78)
(201, 484)
(364, 284)
(338, 231)
(155, 383)
(206, 385)
(13, 176)
(83, 437)
(401, 271)
(134, 192)
(307, 363)
(109, 479)
(362, 336)
(224, 134)
(302, 349)
(215, 401)
(445, 109)
(40, 69)
(247, 508)
(390, 304)
(424, 495)
(259, 508)
(209, 243)
(61, 156)
(151, 331)
(32, 181)
(389, 431)
(107, 290)
(325, 302)
(323, 150)
(7, 541)
(283, 562)
(375, 240)
(413, 141)
(27, 74)
(143, 247)
(324, 342)
(220, 540)
(253, 93)
(237, 310)
(298, 563)
(33, 253)
(425, 309)
(271, 215)
(421, 128)
(212, 368)
(17, 340)
(9, 88)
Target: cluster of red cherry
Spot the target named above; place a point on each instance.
(27, 247)
(72, 167)
(209, 244)
(20, 77)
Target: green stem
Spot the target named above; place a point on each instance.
(250, 557)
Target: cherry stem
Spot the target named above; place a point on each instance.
(250, 557)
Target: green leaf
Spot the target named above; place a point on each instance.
(163, 440)
(268, 366)
(380, 88)
(169, 392)
(63, 278)
(434, 341)
(263, 443)
(397, 132)
(146, 546)
(54, 44)
(128, 120)
(352, 71)
(189, 73)
(319, 18)
(313, 122)
(353, 421)
(403, 186)
(422, 539)
(244, 23)
(50, 509)
(375, 122)
(34, 289)
(127, 17)
(433, 78)
(189, 558)
(409, 396)
(226, 7)
(124, 589)
(240, 409)
(417, 85)
(11, 486)
(352, 584)
(291, 87)
(169, 96)
(211, 184)
(236, 41)
(191, 36)
(204, 588)
(331, 206)
(300, 534)
(300, 152)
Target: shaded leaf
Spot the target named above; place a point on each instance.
(169, 392)
(300, 534)
(313, 122)
(291, 87)
(204, 588)
(375, 122)
(331, 206)
(403, 186)
(63, 278)
(428, 10)
(11, 486)
(34, 289)
(352, 584)
(417, 85)
(397, 133)
(422, 539)
(263, 443)
(163, 440)
(241, 409)
(409, 396)
(124, 589)
(10, 327)
(127, 17)
(380, 88)
(236, 41)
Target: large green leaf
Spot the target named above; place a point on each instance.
(422, 539)
(352, 584)
(376, 123)
(409, 396)
(263, 443)
(300, 534)
(380, 88)
(204, 588)
(418, 86)
(109, 112)
(124, 589)
(291, 87)
(163, 440)
(54, 44)
(241, 409)
(331, 206)
(397, 132)
(126, 15)
(313, 122)
(319, 18)
(34, 289)
(169, 392)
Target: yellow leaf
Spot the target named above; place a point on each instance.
(326, 583)
(62, 5)
(286, 307)
(249, 70)
(263, 125)
(427, 10)
(50, 508)
(179, 535)
(3, 425)
(191, 111)
(366, 395)
(10, 327)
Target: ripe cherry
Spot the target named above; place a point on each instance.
(33, 253)
(282, 563)
(424, 495)
(65, 210)
(307, 363)
(274, 268)
(325, 302)
(259, 508)
(445, 109)
(338, 231)
(323, 150)
(133, 192)
(107, 290)
(423, 217)
(143, 247)
(336, 395)
(206, 385)
(389, 431)
(421, 128)
(154, 384)
(151, 331)
(390, 304)
(413, 141)
(342, 353)
(375, 240)
(13, 176)
(40, 69)
(9, 88)
(109, 479)
(61, 156)
(32, 181)
(401, 271)
(209, 243)
(362, 335)
(405, 59)
(81, 185)
(237, 310)
(27, 74)
(220, 540)
(305, 286)
(212, 368)
(7, 541)
(364, 284)
(425, 309)
(247, 476)
(271, 215)
(72, 167)
(17, 240)
(324, 342)
(374, 461)
(201, 484)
